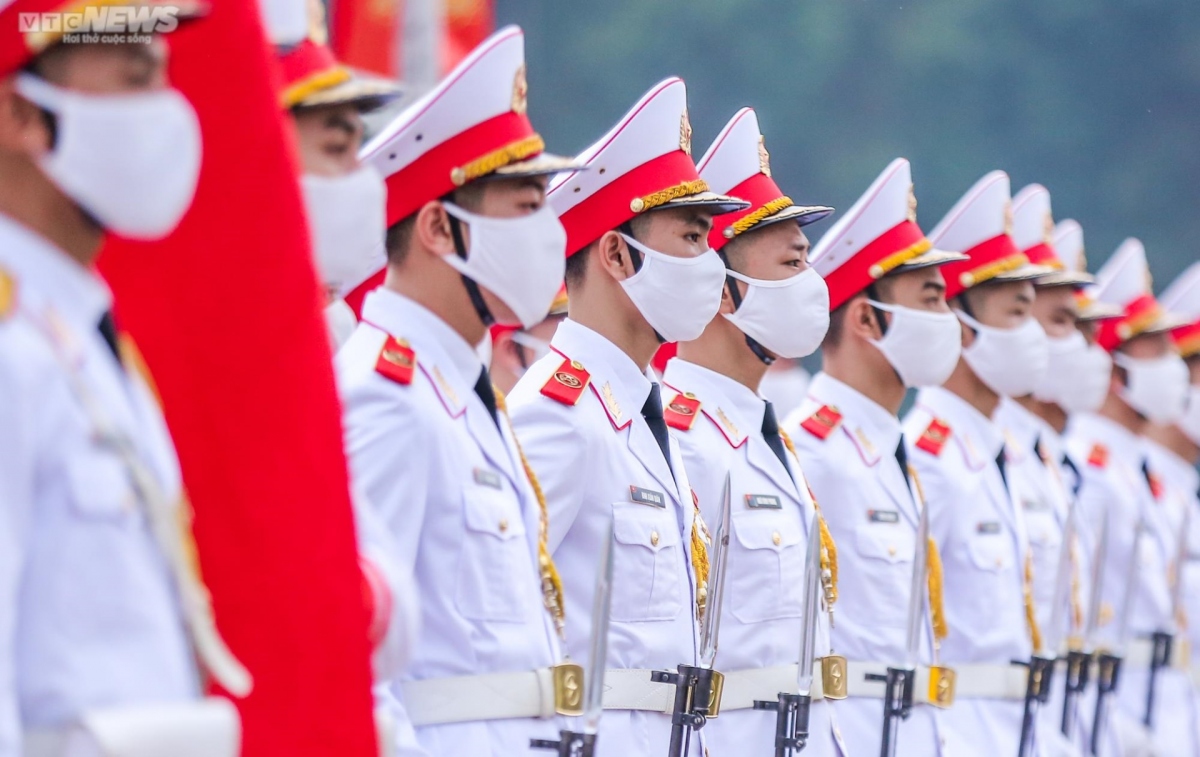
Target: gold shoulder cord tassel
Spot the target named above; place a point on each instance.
(1035, 633)
(700, 566)
(552, 590)
(829, 558)
(935, 579)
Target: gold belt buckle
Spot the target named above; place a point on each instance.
(568, 689)
(715, 690)
(833, 677)
(941, 686)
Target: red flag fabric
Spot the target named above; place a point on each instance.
(227, 316)
(364, 34)
(468, 22)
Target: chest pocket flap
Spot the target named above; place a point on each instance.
(99, 484)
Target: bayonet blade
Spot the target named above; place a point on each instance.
(1062, 587)
(918, 591)
(1096, 600)
(593, 695)
(812, 594)
(711, 627)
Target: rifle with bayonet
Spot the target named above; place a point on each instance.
(792, 710)
(1077, 661)
(698, 687)
(583, 744)
(1108, 662)
(1164, 641)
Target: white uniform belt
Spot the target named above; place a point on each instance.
(1140, 651)
(491, 696)
(858, 685)
(744, 687)
(985, 681)
(632, 689)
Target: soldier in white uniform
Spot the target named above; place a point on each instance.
(343, 198)
(590, 417)
(92, 563)
(890, 329)
(959, 453)
(1149, 385)
(773, 306)
(429, 441)
(1042, 477)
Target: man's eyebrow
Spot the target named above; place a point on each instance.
(343, 122)
(936, 286)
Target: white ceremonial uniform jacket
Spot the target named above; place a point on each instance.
(450, 487)
(598, 462)
(764, 581)
(873, 516)
(983, 546)
(1043, 490)
(1175, 724)
(1113, 482)
(89, 616)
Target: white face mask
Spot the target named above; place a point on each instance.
(348, 220)
(131, 161)
(921, 345)
(789, 316)
(1077, 375)
(1157, 388)
(521, 260)
(678, 297)
(1009, 361)
(1189, 422)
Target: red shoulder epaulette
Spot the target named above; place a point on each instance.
(934, 437)
(822, 423)
(396, 361)
(567, 383)
(680, 412)
(1098, 457)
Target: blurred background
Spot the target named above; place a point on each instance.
(1097, 99)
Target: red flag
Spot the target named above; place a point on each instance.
(226, 314)
(468, 22)
(364, 34)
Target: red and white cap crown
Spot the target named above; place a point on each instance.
(878, 235)
(1033, 233)
(980, 227)
(643, 163)
(1068, 244)
(738, 164)
(1124, 281)
(1183, 299)
(472, 124)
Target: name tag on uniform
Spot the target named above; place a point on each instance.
(987, 527)
(883, 516)
(1034, 505)
(647, 497)
(763, 502)
(488, 478)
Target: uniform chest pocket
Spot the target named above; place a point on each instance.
(494, 566)
(892, 543)
(766, 566)
(99, 486)
(1042, 527)
(649, 572)
(990, 548)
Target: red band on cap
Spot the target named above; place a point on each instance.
(1140, 314)
(15, 50)
(306, 60)
(758, 190)
(608, 208)
(854, 275)
(428, 177)
(983, 262)
(1187, 339)
(1044, 254)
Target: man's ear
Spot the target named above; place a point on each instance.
(860, 320)
(727, 307)
(22, 127)
(432, 229)
(612, 255)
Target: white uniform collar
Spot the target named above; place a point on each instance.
(432, 338)
(75, 293)
(622, 386)
(1026, 431)
(979, 435)
(736, 409)
(1173, 468)
(873, 429)
(1122, 444)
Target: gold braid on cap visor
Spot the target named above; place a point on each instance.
(898, 258)
(510, 153)
(992, 270)
(663, 196)
(306, 88)
(746, 222)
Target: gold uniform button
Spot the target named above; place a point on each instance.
(654, 538)
(777, 538)
(999, 562)
(503, 525)
(891, 551)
